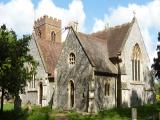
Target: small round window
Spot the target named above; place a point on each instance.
(72, 59)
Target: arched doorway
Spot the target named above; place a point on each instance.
(40, 93)
(71, 94)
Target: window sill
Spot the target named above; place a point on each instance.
(71, 66)
(32, 90)
(137, 83)
(107, 96)
(44, 98)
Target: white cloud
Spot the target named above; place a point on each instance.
(99, 25)
(20, 14)
(148, 16)
(66, 15)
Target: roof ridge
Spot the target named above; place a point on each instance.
(118, 26)
(113, 27)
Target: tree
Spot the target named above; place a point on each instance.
(14, 59)
(156, 64)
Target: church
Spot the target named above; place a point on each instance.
(89, 72)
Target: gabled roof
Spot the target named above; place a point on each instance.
(115, 37)
(97, 53)
(99, 47)
(49, 53)
(105, 44)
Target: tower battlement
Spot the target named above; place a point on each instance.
(47, 20)
(48, 28)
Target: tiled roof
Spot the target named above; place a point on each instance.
(105, 44)
(97, 52)
(99, 47)
(115, 37)
(49, 52)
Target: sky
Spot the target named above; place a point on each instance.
(91, 15)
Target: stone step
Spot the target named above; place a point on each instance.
(61, 117)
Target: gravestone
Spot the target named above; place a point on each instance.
(134, 114)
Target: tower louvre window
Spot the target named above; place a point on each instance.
(53, 36)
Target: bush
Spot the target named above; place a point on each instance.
(158, 98)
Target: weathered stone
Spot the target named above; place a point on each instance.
(89, 80)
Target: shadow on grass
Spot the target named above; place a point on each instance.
(14, 115)
(150, 110)
(115, 113)
(38, 113)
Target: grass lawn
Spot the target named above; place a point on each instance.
(45, 113)
(8, 106)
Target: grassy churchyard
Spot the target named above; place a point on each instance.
(45, 113)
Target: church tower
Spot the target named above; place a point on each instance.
(47, 28)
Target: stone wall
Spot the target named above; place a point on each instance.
(135, 89)
(32, 94)
(102, 100)
(43, 28)
(89, 88)
(80, 74)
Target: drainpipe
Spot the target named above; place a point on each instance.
(119, 90)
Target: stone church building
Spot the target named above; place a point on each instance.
(89, 72)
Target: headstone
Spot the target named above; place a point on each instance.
(29, 107)
(134, 114)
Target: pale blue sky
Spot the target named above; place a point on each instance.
(92, 15)
(93, 8)
(96, 8)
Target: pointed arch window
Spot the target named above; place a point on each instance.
(136, 63)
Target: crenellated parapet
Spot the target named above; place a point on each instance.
(47, 28)
(47, 20)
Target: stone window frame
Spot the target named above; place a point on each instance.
(71, 59)
(32, 82)
(136, 63)
(69, 91)
(107, 89)
(39, 33)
